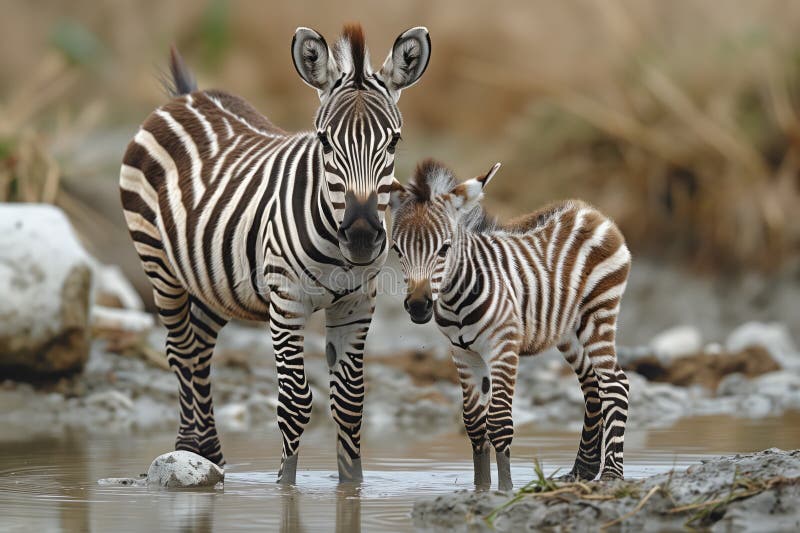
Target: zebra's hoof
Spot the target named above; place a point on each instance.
(350, 471)
(288, 472)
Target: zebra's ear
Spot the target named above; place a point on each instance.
(313, 59)
(398, 195)
(469, 193)
(407, 60)
(486, 178)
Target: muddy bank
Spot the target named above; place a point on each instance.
(728, 493)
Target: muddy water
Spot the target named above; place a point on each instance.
(51, 485)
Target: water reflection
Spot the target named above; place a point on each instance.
(187, 510)
(51, 485)
(348, 509)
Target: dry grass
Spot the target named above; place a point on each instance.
(679, 119)
(708, 509)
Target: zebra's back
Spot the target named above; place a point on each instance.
(571, 260)
(192, 180)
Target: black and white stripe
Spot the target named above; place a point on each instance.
(555, 277)
(233, 218)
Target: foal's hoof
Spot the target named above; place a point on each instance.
(567, 478)
(610, 476)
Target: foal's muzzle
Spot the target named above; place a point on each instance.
(419, 302)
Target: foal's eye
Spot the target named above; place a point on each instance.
(393, 143)
(397, 249)
(443, 250)
(326, 145)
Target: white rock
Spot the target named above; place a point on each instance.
(676, 342)
(111, 286)
(774, 337)
(182, 469)
(45, 283)
(128, 320)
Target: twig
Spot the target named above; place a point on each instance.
(632, 512)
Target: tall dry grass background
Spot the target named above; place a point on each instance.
(679, 119)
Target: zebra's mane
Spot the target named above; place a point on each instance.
(351, 53)
(432, 179)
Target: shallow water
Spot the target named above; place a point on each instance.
(51, 485)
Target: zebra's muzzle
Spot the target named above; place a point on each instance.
(361, 234)
(419, 302)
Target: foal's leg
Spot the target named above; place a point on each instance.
(597, 332)
(473, 373)
(500, 424)
(587, 463)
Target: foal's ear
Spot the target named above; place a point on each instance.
(398, 195)
(407, 60)
(470, 192)
(313, 59)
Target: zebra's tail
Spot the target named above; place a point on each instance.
(182, 80)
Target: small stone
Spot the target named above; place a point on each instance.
(676, 342)
(183, 469)
(122, 481)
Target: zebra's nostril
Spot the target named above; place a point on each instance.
(406, 306)
(342, 235)
(428, 304)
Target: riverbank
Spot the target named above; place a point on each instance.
(727, 493)
(127, 387)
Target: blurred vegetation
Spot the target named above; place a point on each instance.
(679, 119)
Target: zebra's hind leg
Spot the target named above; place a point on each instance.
(286, 321)
(189, 357)
(597, 334)
(473, 373)
(587, 462)
(206, 325)
(500, 424)
(347, 324)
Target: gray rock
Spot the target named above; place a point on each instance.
(182, 469)
(45, 280)
(774, 337)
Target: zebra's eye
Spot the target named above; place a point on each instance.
(393, 143)
(397, 249)
(326, 145)
(443, 250)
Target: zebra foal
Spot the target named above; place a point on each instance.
(232, 217)
(499, 291)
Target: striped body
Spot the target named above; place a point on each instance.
(234, 218)
(555, 277)
(264, 184)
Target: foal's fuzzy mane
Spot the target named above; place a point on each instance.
(432, 179)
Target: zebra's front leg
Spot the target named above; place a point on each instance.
(286, 321)
(473, 373)
(347, 324)
(500, 424)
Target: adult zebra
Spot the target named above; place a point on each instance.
(234, 218)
